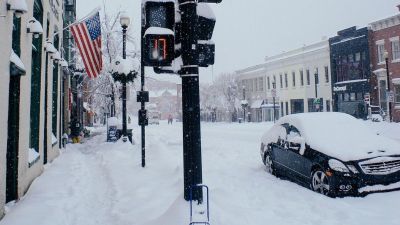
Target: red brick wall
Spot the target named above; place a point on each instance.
(394, 68)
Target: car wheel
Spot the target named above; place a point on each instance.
(269, 164)
(320, 183)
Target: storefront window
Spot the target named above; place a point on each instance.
(397, 94)
(352, 96)
(346, 97)
(396, 50)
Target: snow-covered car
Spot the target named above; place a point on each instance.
(154, 117)
(332, 153)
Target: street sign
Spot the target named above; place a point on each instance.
(390, 96)
(367, 98)
(317, 101)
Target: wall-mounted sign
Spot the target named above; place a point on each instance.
(342, 88)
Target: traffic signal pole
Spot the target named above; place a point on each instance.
(190, 100)
(142, 101)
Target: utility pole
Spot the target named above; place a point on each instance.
(386, 55)
(124, 126)
(190, 100)
(143, 103)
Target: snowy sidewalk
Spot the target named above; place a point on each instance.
(98, 183)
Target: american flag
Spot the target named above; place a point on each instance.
(87, 36)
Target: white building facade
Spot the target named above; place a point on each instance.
(300, 78)
(30, 101)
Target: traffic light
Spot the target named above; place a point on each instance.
(158, 25)
(205, 28)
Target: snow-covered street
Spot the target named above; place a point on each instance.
(103, 183)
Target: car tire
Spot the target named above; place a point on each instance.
(320, 183)
(269, 164)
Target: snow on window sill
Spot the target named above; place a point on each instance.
(53, 140)
(381, 63)
(396, 61)
(33, 157)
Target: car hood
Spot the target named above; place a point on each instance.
(351, 148)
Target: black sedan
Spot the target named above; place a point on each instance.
(332, 153)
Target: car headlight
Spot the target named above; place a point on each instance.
(338, 166)
(352, 168)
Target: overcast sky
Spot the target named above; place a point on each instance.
(249, 30)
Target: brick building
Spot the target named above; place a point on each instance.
(385, 38)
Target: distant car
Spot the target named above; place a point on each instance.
(154, 117)
(332, 153)
(376, 114)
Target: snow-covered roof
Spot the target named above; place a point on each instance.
(158, 31)
(348, 39)
(338, 135)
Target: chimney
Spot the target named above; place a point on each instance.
(398, 6)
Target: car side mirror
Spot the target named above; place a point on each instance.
(297, 143)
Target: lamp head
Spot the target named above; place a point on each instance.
(386, 55)
(124, 20)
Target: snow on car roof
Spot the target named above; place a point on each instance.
(341, 136)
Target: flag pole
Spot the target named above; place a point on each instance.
(96, 10)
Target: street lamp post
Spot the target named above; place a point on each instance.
(243, 104)
(273, 97)
(316, 81)
(124, 21)
(386, 55)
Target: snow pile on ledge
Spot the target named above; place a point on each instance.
(33, 155)
(19, 5)
(17, 61)
(204, 10)
(158, 31)
(144, 1)
(124, 66)
(53, 139)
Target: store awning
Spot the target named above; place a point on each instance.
(256, 104)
